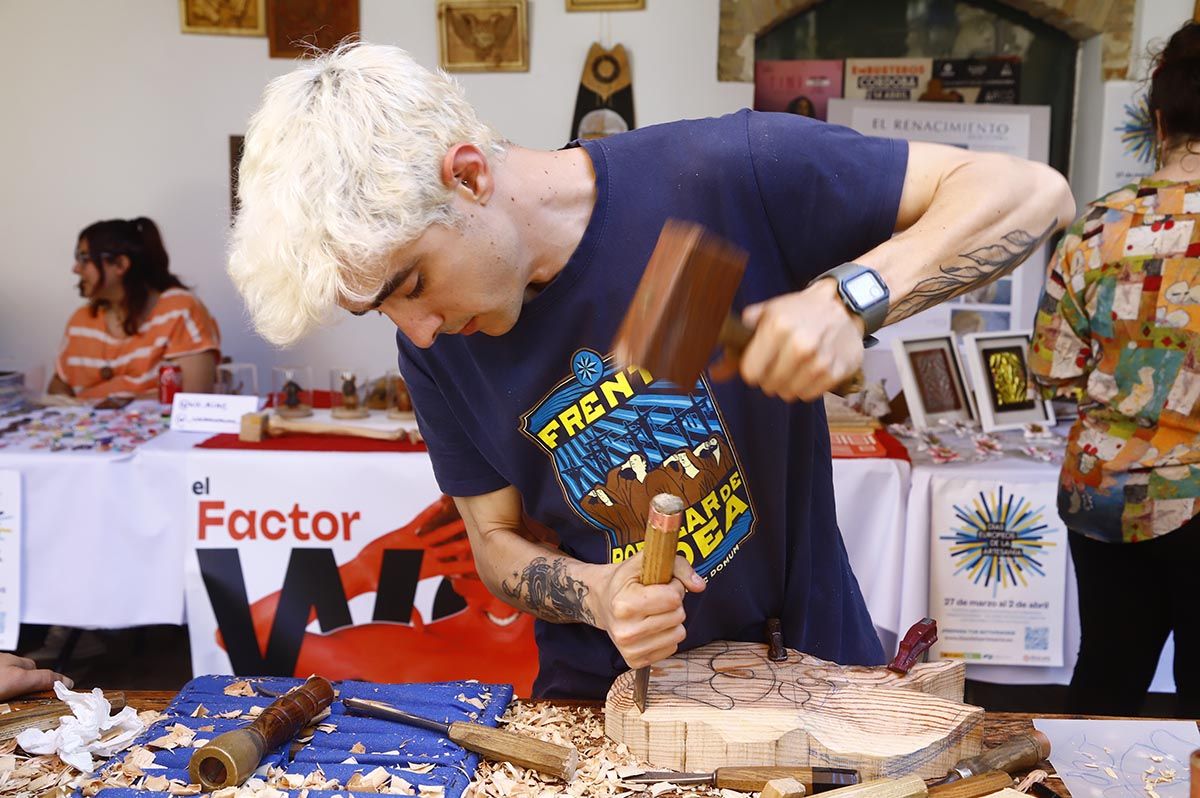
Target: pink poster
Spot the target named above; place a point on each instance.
(796, 86)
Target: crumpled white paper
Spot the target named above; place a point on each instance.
(90, 730)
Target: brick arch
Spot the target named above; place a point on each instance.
(743, 20)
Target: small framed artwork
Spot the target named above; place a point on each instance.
(932, 376)
(296, 27)
(1006, 394)
(228, 17)
(483, 35)
(605, 5)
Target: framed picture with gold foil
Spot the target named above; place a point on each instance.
(483, 35)
(227, 17)
(932, 376)
(1006, 394)
(605, 5)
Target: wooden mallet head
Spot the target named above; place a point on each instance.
(676, 316)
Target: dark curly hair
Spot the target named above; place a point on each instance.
(139, 240)
(1175, 86)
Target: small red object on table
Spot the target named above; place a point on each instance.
(919, 639)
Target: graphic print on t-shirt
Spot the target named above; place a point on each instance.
(617, 438)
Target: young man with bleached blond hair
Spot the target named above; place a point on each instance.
(369, 184)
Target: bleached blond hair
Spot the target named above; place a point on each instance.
(341, 165)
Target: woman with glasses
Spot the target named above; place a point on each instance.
(137, 316)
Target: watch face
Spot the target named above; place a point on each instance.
(864, 289)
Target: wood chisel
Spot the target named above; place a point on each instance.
(754, 778)
(545, 757)
(1019, 753)
(658, 564)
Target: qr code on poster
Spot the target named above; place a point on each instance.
(1037, 638)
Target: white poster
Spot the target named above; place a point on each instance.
(10, 558)
(1127, 143)
(347, 564)
(997, 571)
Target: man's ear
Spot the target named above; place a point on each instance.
(466, 168)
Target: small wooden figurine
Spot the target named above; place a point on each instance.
(293, 406)
(351, 406)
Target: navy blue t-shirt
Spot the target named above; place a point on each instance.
(543, 408)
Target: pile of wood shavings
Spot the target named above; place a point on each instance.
(603, 763)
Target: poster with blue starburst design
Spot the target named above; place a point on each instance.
(997, 571)
(1127, 136)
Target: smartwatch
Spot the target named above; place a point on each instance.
(864, 294)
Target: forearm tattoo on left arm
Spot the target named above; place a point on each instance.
(549, 592)
(982, 266)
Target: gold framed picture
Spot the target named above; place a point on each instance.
(296, 28)
(483, 35)
(228, 17)
(605, 5)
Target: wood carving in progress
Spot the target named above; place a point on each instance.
(726, 703)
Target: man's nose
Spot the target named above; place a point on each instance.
(420, 327)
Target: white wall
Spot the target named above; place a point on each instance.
(109, 111)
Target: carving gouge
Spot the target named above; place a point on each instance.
(753, 779)
(658, 564)
(1019, 753)
(547, 758)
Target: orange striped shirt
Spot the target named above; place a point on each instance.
(96, 364)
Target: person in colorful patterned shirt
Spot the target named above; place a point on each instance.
(138, 315)
(1118, 329)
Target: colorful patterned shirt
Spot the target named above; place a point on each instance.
(96, 364)
(1118, 329)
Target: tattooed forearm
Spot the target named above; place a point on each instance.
(981, 266)
(549, 592)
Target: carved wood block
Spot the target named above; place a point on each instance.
(727, 704)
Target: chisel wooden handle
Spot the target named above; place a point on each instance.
(545, 757)
(754, 778)
(658, 563)
(1020, 753)
(973, 787)
(906, 787)
(735, 336)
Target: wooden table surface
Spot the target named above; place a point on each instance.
(997, 726)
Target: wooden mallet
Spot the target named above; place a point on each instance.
(681, 309)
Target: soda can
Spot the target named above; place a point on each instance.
(170, 382)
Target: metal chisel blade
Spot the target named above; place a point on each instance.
(641, 681)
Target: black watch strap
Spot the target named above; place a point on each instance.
(874, 313)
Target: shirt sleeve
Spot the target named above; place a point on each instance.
(194, 330)
(830, 193)
(1061, 353)
(458, 465)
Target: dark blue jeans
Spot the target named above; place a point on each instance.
(1131, 596)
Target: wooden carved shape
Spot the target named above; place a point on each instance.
(727, 703)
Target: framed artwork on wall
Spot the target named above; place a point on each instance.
(932, 376)
(605, 5)
(483, 35)
(227, 17)
(1005, 392)
(295, 27)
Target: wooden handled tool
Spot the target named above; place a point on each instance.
(972, 786)
(1019, 753)
(681, 308)
(545, 757)
(230, 758)
(920, 638)
(658, 563)
(754, 778)
(45, 716)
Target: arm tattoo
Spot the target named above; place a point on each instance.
(982, 266)
(546, 590)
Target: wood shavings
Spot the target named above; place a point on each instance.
(177, 736)
(328, 728)
(183, 788)
(1155, 758)
(398, 786)
(156, 783)
(420, 767)
(253, 712)
(371, 782)
(432, 791)
(207, 728)
(229, 715)
(1112, 774)
(200, 711)
(149, 717)
(5, 709)
(357, 748)
(241, 688)
(603, 763)
(1034, 777)
(478, 703)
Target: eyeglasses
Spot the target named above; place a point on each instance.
(87, 257)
